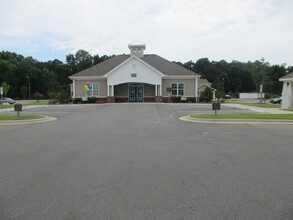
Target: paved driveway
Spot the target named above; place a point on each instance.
(138, 161)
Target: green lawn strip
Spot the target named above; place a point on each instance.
(246, 116)
(21, 117)
(264, 105)
(6, 106)
(37, 103)
(291, 110)
(46, 102)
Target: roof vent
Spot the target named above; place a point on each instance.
(136, 48)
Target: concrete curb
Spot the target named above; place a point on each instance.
(237, 121)
(31, 121)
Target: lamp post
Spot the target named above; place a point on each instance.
(29, 88)
(224, 85)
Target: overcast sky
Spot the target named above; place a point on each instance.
(178, 30)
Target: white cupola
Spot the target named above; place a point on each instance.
(136, 48)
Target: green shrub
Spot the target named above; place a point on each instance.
(176, 99)
(63, 97)
(38, 96)
(206, 95)
(76, 100)
(190, 99)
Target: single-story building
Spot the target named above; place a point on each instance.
(202, 85)
(137, 77)
(287, 93)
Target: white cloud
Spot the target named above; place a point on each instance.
(177, 30)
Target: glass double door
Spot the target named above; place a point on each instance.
(135, 93)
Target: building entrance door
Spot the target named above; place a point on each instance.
(135, 93)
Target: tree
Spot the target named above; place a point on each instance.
(218, 84)
(206, 95)
(23, 92)
(6, 88)
(80, 61)
(274, 74)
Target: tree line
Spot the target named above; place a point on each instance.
(237, 77)
(45, 79)
(50, 79)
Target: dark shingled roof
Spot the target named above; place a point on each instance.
(289, 76)
(164, 66)
(104, 67)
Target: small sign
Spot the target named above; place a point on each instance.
(1, 90)
(84, 98)
(216, 106)
(183, 98)
(18, 107)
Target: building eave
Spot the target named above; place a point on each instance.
(86, 77)
(181, 77)
(286, 80)
(130, 58)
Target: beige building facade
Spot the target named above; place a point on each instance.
(136, 77)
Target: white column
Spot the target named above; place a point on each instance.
(108, 90)
(73, 89)
(112, 90)
(196, 86)
(156, 90)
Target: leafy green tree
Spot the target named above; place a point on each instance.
(274, 74)
(6, 88)
(38, 96)
(23, 92)
(206, 95)
(80, 61)
(218, 84)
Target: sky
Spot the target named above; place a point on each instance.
(178, 30)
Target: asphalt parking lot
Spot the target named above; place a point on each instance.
(139, 161)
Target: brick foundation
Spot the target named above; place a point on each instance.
(158, 99)
(111, 99)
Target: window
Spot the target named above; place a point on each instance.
(94, 91)
(177, 89)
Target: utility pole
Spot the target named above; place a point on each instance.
(29, 87)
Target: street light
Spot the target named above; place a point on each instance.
(29, 88)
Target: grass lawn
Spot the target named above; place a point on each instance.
(43, 102)
(246, 116)
(21, 117)
(6, 106)
(264, 105)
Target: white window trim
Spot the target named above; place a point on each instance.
(92, 91)
(178, 88)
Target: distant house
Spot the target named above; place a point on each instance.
(137, 77)
(287, 93)
(202, 85)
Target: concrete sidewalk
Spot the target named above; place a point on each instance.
(259, 109)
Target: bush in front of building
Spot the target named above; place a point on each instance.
(206, 95)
